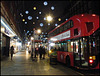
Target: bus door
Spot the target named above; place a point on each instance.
(84, 44)
(81, 52)
(76, 53)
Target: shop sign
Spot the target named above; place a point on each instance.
(7, 31)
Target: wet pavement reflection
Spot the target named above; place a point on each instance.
(22, 64)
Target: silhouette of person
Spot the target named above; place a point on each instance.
(40, 51)
(44, 52)
(12, 51)
(36, 52)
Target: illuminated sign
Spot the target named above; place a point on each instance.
(62, 36)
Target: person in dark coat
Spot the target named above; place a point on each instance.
(12, 51)
(41, 51)
(36, 52)
(44, 52)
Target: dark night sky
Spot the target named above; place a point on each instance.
(58, 12)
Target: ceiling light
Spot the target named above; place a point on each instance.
(41, 24)
(29, 17)
(45, 3)
(52, 8)
(37, 17)
(66, 19)
(34, 8)
(42, 32)
(59, 19)
(39, 12)
(33, 22)
(56, 24)
(23, 20)
(48, 23)
(26, 12)
(44, 18)
(20, 13)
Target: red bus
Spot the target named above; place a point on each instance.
(77, 41)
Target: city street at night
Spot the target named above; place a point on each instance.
(50, 37)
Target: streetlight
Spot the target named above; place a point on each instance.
(49, 18)
(38, 31)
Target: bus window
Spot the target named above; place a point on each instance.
(65, 47)
(72, 46)
(68, 25)
(56, 46)
(62, 46)
(89, 26)
(59, 47)
(57, 31)
(69, 45)
(76, 52)
(92, 46)
(65, 26)
(75, 31)
(71, 23)
(61, 29)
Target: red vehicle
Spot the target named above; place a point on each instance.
(77, 41)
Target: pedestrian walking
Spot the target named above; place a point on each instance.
(36, 52)
(12, 52)
(40, 51)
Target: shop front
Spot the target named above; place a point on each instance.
(8, 39)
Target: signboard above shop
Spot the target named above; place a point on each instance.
(7, 29)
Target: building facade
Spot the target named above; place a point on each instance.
(10, 27)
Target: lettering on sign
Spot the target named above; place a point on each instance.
(63, 35)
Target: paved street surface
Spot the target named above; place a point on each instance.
(22, 64)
